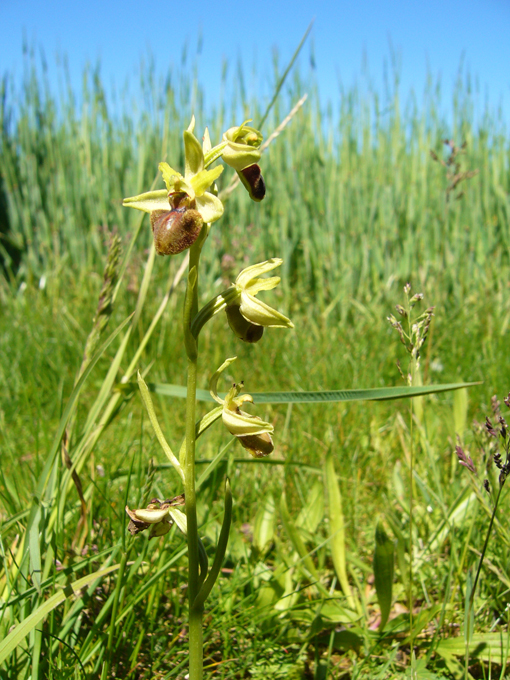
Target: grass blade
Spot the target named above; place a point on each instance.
(324, 396)
(12, 640)
(295, 538)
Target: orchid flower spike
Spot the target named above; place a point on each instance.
(251, 431)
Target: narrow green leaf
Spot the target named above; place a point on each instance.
(189, 303)
(384, 560)
(34, 547)
(16, 635)
(374, 394)
(200, 427)
(279, 85)
(146, 398)
(206, 422)
(220, 550)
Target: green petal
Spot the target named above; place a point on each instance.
(152, 200)
(204, 179)
(213, 382)
(210, 207)
(194, 156)
(240, 424)
(261, 314)
(169, 175)
(180, 184)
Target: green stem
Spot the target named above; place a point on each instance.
(195, 620)
(411, 488)
(213, 307)
(484, 550)
(473, 589)
(195, 623)
(195, 615)
(196, 644)
(411, 502)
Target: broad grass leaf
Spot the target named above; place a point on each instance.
(295, 538)
(313, 511)
(460, 411)
(264, 525)
(384, 561)
(493, 647)
(336, 527)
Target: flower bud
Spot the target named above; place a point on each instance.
(175, 230)
(242, 148)
(245, 330)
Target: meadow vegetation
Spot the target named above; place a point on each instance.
(356, 207)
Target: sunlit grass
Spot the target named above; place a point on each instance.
(356, 209)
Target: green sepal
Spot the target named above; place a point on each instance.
(242, 147)
(194, 156)
(148, 202)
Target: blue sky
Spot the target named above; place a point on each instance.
(427, 37)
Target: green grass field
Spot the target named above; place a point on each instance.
(356, 208)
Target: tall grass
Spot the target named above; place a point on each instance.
(354, 198)
(356, 207)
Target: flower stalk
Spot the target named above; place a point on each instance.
(181, 216)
